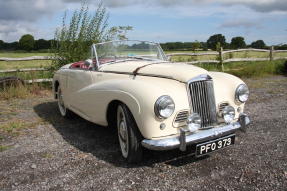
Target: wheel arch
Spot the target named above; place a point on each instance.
(55, 88)
(111, 112)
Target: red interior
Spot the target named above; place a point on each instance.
(80, 64)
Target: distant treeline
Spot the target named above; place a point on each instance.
(216, 41)
(27, 43)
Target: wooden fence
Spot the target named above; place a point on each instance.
(29, 70)
(220, 60)
(220, 54)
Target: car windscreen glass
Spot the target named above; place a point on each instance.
(118, 51)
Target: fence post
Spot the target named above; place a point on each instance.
(221, 58)
(271, 53)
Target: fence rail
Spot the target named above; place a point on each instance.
(220, 60)
(23, 70)
(27, 58)
(224, 52)
(29, 70)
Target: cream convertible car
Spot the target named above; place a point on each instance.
(153, 103)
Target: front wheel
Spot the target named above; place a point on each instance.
(129, 135)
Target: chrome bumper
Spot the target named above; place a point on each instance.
(200, 136)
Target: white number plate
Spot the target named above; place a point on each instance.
(208, 147)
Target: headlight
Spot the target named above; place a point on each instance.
(164, 107)
(228, 114)
(242, 93)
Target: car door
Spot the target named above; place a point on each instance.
(78, 80)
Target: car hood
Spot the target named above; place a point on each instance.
(178, 71)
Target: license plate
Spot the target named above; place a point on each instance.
(208, 147)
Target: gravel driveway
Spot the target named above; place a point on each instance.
(42, 151)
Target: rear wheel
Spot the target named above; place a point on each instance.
(129, 136)
(61, 105)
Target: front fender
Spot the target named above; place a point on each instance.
(139, 95)
(224, 88)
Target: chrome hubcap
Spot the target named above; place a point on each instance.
(122, 131)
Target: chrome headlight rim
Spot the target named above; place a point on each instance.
(238, 93)
(157, 106)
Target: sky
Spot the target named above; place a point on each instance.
(156, 20)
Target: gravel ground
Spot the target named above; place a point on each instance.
(42, 151)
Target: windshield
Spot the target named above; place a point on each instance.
(119, 51)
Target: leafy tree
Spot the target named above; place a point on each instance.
(238, 42)
(258, 44)
(281, 47)
(27, 42)
(73, 40)
(42, 44)
(204, 46)
(11, 46)
(195, 45)
(213, 41)
(1, 44)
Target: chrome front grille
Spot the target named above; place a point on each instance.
(203, 100)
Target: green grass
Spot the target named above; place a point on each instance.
(248, 69)
(4, 65)
(29, 75)
(241, 69)
(13, 128)
(15, 92)
(246, 54)
(23, 91)
(21, 55)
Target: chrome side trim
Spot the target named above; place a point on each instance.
(183, 140)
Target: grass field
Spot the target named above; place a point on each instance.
(23, 64)
(20, 55)
(243, 54)
(241, 69)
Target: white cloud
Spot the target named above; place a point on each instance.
(245, 23)
(27, 10)
(257, 5)
(18, 17)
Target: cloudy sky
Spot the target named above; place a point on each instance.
(156, 20)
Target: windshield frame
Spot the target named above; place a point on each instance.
(95, 55)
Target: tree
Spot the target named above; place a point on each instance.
(42, 44)
(258, 44)
(1, 44)
(73, 40)
(27, 42)
(195, 45)
(238, 42)
(214, 40)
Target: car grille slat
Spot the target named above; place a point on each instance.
(203, 101)
(222, 106)
(181, 117)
